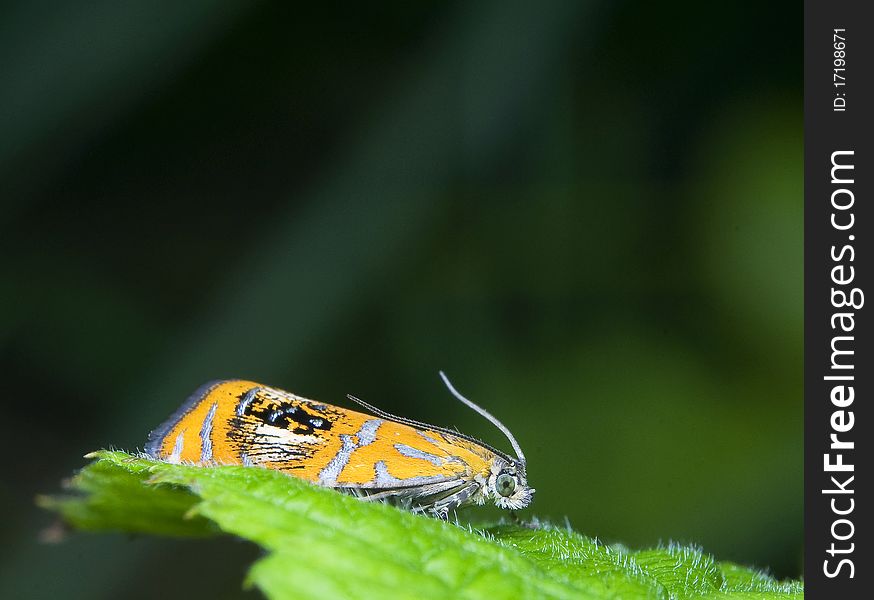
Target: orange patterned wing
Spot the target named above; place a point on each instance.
(244, 423)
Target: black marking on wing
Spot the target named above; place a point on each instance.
(298, 418)
(258, 407)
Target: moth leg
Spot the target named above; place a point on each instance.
(375, 497)
(412, 494)
(453, 501)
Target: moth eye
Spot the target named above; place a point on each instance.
(505, 485)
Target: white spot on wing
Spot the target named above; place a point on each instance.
(366, 435)
(411, 452)
(205, 434)
(175, 457)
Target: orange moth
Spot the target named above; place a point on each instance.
(375, 456)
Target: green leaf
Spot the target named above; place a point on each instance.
(322, 544)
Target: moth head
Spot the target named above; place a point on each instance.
(507, 485)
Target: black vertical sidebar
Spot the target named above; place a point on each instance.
(839, 298)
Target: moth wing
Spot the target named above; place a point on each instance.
(242, 422)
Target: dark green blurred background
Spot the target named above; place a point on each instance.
(588, 213)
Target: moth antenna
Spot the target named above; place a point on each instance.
(492, 419)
